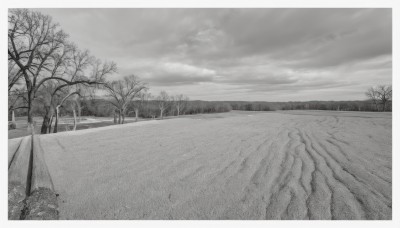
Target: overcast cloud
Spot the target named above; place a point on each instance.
(241, 54)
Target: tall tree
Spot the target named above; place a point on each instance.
(122, 92)
(64, 99)
(180, 102)
(384, 95)
(380, 95)
(373, 96)
(32, 38)
(164, 102)
(141, 103)
(42, 52)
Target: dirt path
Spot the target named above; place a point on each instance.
(241, 166)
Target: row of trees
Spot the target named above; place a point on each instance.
(130, 95)
(365, 106)
(379, 99)
(146, 105)
(49, 75)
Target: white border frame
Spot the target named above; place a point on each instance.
(394, 4)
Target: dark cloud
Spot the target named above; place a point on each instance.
(241, 50)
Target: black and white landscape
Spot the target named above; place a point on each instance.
(200, 114)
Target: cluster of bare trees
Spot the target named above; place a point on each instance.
(146, 105)
(122, 93)
(380, 96)
(47, 70)
(166, 101)
(129, 95)
(45, 67)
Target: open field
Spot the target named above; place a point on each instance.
(237, 165)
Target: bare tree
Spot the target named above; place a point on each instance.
(17, 100)
(147, 105)
(122, 92)
(180, 102)
(373, 96)
(14, 75)
(141, 103)
(32, 38)
(74, 106)
(380, 95)
(384, 95)
(164, 102)
(38, 46)
(71, 94)
(73, 66)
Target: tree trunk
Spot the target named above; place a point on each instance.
(119, 116)
(115, 117)
(177, 109)
(45, 125)
(79, 113)
(136, 114)
(56, 123)
(384, 106)
(161, 113)
(46, 120)
(123, 118)
(10, 113)
(51, 122)
(31, 127)
(73, 111)
(13, 116)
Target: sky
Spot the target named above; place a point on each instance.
(241, 54)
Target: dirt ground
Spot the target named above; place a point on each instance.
(238, 165)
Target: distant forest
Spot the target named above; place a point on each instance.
(366, 106)
(101, 107)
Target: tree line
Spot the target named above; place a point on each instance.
(379, 103)
(49, 76)
(145, 105)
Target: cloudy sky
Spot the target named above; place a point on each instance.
(241, 54)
